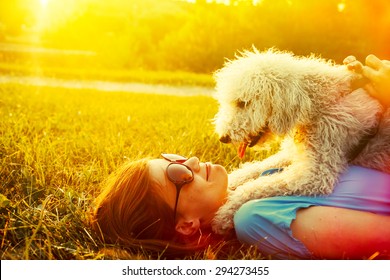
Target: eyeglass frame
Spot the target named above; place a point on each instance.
(178, 185)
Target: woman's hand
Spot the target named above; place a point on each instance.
(377, 71)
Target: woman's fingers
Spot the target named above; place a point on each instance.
(349, 59)
(374, 62)
(353, 64)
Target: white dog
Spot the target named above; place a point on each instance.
(326, 122)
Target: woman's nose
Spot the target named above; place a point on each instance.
(193, 163)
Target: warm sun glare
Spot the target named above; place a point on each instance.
(44, 3)
(51, 13)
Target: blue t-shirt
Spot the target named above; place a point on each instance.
(266, 222)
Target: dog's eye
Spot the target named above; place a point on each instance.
(241, 104)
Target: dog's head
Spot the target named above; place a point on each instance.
(258, 95)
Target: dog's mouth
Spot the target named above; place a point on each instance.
(241, 149)
(243, 145)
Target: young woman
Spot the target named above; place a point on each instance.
(167, 205)
(161, 204)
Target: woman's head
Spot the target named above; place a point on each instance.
(195, 202)
(131, 207)
(136, 206)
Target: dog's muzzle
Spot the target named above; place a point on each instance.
(253, 140)
(244, 144)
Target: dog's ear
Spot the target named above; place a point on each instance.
(290, 105)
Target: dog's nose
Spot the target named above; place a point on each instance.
(225, 139)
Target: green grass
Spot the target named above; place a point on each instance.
(98, 73)
(58, 145)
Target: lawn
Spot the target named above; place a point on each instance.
(24, 68)
(58, 145)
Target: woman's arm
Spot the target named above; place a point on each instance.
(339, 233)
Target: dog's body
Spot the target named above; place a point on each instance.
(326, 124)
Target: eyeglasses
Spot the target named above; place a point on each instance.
(178, 173)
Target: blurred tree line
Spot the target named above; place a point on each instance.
(197, 37)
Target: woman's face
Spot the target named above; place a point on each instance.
(202, 197)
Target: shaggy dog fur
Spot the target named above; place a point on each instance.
(317, 109)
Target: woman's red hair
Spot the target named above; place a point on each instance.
(131, 212)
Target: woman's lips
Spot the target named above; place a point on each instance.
(208, 170)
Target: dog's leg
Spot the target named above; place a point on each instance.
(252, 170)
(278, 184)
(302, 177)
(259, 188)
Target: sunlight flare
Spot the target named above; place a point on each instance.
(44, 3)
(341, 7)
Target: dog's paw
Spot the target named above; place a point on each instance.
(223, 220)
(222, 225)
(240, 177)
(250, 171)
